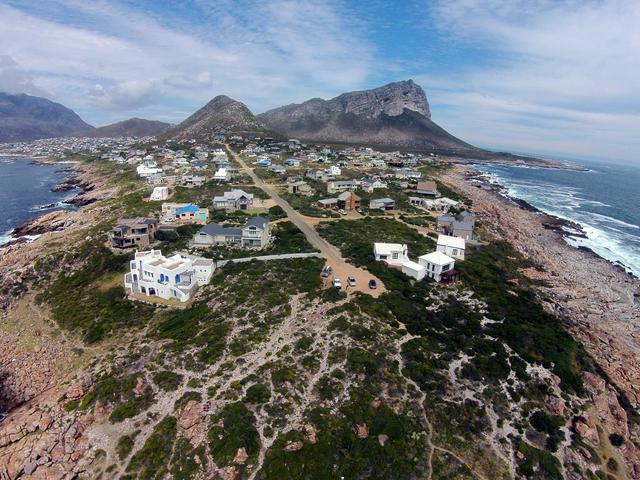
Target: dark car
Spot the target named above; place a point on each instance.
(372, 284)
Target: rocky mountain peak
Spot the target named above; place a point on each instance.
(221, 115)
(390, 99)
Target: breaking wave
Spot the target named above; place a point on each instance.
(576, 199)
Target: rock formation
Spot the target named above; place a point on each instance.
(396, 115)
(222, 115)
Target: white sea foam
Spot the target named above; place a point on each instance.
(606, 235)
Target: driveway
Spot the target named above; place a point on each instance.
(341, 268)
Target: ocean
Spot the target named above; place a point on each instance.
(25, 192)
(604, 200)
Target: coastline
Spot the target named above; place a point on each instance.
(76, 180)
(598, 300)
(570, 230)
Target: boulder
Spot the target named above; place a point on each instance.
(293, 447)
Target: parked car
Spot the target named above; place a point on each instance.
(351, 281)
(337, 283)
(342, 212)
(327, 271)
(372, 284)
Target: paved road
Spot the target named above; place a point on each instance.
(341, 268)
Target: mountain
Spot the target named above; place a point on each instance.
(396, 115)
(134, 127)
(222, 115)
(25, 118)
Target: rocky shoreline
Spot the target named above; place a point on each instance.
(597, 299)
(56, 221)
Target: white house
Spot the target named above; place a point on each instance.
(146, 170)
(414, 270)
(236, 199)
(222, 175)
(438, 265)
(160, 193)
(452, 246)
(394, 254)
(333, 171)
(169, 278)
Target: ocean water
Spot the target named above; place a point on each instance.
(604, 200)
(25, 192)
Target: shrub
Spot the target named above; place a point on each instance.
(167, 380)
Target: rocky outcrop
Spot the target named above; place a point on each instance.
(222, 115)
(396, 115)
(49, 222)
(40, 440)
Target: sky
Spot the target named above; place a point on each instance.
(551, 77)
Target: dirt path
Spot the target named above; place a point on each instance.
(341, 268)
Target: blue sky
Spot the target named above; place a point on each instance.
(541, 76)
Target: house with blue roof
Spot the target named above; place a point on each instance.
(184, 213)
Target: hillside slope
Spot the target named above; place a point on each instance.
(25, 118)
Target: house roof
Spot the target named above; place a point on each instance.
(437, 258)
(234, 194)
(383, 200)
(449, 241)
(388, 248)
(256, 222)
(463, 225)
(347, 196)
(217, 229)
(191, 208)
(428, 185)
(446, 218)
(413, 266)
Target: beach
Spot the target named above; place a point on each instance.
(598, 301)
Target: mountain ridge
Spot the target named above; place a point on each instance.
(396, 115)
(25, 118)
(132, 127)
(221, 115)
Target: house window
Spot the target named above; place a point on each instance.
(455, 251)
(394, 255)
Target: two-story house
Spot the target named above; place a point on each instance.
(236, 199)
(133, 232)
(254, 234)
(454, 247)
(170, 278)
(393, 254)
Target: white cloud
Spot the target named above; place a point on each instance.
(201, 80)
(128, 95)
(14, 79)
(262, 53)
(549, 75)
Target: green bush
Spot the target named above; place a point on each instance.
(258, 393)
(237, 431)
(125, 445)
(152, 460)
(167, 380)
